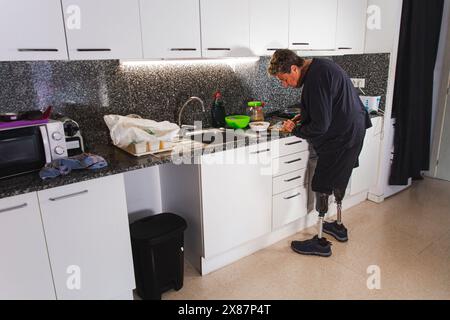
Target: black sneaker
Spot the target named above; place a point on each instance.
(338, 231)
(315, 246)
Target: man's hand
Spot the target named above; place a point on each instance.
(289, 125)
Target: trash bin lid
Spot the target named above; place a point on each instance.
(157, 226)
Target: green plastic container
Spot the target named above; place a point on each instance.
(254, 104)
(237, 121)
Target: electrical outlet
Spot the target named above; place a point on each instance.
(358, 82)
(362, 83)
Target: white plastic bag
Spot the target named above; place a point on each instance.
(127, 130)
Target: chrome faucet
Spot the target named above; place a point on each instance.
(186, 103)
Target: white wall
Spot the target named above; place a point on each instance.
(143, 192)
(443, 38)
(393, 9)
(382, 40)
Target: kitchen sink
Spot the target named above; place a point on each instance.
(216, 135)
(207, 136)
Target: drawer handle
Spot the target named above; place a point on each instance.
(183, 49)
(93, 50)
(291, 143)
(292, 179)
(273, 49)
(69, 195)
(300, 43)
(292, 161)
(290, 197)
(23, 205)
(36, 50)
(345, 48)
(219, 49)
(260, 151)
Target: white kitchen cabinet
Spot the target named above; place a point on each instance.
(269, 26)
(365, 175)
(312, 24)
(103, 29)
(285, 146)
(86, 226)
(351, 26)
(24, 265)
(289, 206)
(236, 197)
(383, 22)
(170, 28)
(289, 163)
(290, 180)
(31, 30)
(225, 28)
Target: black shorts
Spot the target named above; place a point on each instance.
(333, 169)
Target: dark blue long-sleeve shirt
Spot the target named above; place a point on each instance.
(333, 116)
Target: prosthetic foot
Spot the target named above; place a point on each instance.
(318, 245)
(337, 228)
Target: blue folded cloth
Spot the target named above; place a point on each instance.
(65, 166)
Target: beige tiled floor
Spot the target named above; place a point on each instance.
(407, 236)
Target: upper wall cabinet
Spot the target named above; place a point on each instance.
(269, 26)
(383, 18)
(351, 26)
(31, 30)
(312, 24)
(170, 28)
(225, 28)
(103, 29)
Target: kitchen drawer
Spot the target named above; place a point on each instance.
(289, 206)
(289, 181)
(289, 145)
(290, 163)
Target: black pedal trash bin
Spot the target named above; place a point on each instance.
(158, 255)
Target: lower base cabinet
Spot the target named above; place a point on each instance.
(236, 197)
(69, 242)
(24, 266)
(289, 206)
(86, 226)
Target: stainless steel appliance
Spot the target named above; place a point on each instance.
(29, 147)
(74, 139)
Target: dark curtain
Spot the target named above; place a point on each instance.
(413, 90)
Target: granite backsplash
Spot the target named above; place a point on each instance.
(87, 90)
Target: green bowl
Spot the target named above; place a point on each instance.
(237, 121)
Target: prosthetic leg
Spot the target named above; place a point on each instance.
(337, 228)
(318, 245)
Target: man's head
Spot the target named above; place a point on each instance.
(287, 67)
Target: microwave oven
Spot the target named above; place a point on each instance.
(28, 148)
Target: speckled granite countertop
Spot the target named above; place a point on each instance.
(118, 162)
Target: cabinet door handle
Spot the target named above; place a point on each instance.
(94, 50)
(300, 43)
(23, 205)
(260, 151)
(36, 50)
(69, 195)
(294, 142)
(292, 179)
(292, 161)
(219, 49)
(290, 197)
(183, 49)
